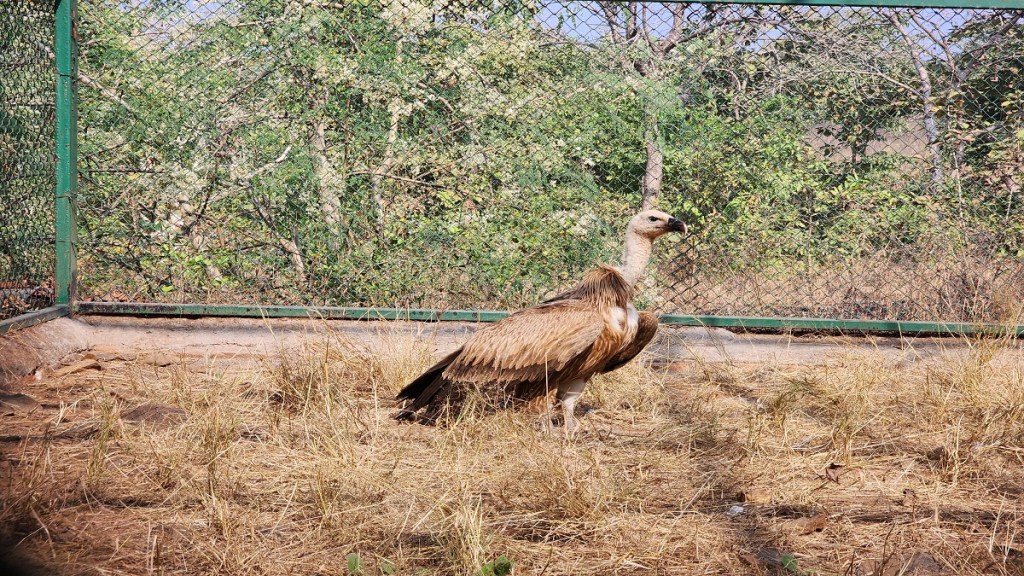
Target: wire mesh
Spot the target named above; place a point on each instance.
(840, 162)
(27, 162)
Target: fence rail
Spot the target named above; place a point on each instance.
(841, 165)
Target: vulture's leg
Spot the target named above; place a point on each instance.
(567, 395)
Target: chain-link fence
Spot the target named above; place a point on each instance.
(27, 165)
(840, 162)
(864, 162)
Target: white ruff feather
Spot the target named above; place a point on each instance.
(632, 318)
(619, 319)
(635, 254)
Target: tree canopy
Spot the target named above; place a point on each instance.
(465, 154)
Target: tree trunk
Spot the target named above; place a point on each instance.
(631, 26)
(388, 161)
(631, 20)
(330, 204)
(385, 166)
(291, 248)
(931, 126)
(183, 220)
(653, 170)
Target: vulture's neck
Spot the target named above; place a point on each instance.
(634, 257)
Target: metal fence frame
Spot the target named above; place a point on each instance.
(65, 273)
(65, 223)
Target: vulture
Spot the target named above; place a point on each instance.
(557, 345)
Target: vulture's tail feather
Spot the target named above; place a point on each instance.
(422, 390)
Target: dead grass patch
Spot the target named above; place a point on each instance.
(872, 463)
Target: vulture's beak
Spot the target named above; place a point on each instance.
(676, 225)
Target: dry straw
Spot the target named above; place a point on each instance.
(874, 461)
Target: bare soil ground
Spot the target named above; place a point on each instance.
(237, 447)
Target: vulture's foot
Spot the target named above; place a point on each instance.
(548, 422)
(551, 421)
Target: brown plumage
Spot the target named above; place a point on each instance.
(557, 345)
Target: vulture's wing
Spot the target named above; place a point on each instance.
(533, 345)
(647, 326)
(520, 354)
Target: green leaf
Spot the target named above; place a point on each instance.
(355, 565)
(500, 566)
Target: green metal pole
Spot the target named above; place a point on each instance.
(66, 48)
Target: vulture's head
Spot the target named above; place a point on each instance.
(653, 223)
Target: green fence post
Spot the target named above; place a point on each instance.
(66, 48)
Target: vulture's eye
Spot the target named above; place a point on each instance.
(652, 218)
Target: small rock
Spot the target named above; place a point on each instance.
(804, 526)
(833, 471)
(924, 563)
(938, 454)
(18, 402)
(755, 496)
(156, 414)
(772, 558)
(735, 510)
(84, 364)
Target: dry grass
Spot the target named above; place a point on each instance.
(893, 463)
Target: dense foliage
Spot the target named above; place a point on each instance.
(27, 164)
(482, 155)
